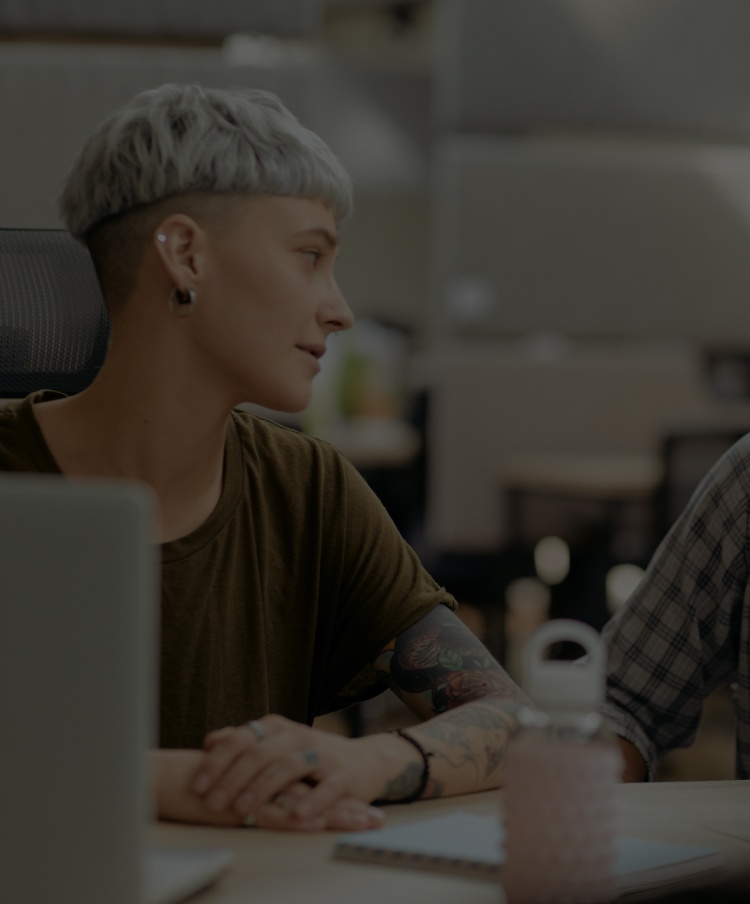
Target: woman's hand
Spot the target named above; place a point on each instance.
(347, 814)
(175, 770)
(260, 765)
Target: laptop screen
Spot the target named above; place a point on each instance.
(78, 592)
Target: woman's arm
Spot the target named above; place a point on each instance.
(173, 772)
(465, 699)
(442, 672)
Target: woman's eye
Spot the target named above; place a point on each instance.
(313, 254)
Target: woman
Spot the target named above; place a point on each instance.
(212, 217)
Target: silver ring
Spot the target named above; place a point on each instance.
(257, 729)
(310, 756)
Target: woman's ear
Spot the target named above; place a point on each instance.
(178, 240)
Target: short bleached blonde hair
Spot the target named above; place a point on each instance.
(180, 139)
(187, 142)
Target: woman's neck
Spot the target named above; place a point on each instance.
(124, 426)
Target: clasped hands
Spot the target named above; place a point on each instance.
(276, 773)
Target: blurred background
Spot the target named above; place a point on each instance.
(548, 258)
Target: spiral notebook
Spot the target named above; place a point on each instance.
(469, 845)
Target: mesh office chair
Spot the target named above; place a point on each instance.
(54, 327)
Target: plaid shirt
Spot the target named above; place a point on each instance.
(685, 631)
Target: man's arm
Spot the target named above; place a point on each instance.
(634, 769)
(675, 640)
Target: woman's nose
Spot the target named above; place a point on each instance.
(338, 313)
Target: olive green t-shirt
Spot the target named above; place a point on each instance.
(283, 596)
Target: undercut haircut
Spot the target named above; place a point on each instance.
(187, 144)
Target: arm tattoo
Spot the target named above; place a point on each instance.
(440, 660)
(404, 784)
(474, 736)
(436, 667)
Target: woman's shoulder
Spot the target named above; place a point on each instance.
(265, 437)
(9, 409)
(14, 424)
(22, 445)
(15, 454)
(8, 421)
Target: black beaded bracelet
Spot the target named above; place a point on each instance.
(423, 782)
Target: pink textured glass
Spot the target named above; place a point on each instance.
(559, 802)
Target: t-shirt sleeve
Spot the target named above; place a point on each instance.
(382, 587)
(677, 638)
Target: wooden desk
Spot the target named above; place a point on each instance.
(284, 868)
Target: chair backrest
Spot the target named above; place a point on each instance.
(54, 327)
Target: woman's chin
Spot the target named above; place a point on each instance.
(288, 403)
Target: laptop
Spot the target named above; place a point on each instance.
(79, 589)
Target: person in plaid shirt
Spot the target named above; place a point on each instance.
(685, 631)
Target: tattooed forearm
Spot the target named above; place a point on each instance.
(439, 665)
(472, 739)
(467, 702)
(406, 783)
(488, 715)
